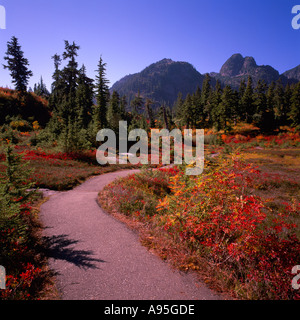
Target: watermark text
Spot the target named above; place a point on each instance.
(296, 279)
(188, 146)
(296, 19)
(2, 17)
(2, 278)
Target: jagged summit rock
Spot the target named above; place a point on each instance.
(237, 65)
(232, 66)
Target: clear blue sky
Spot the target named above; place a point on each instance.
(131, 34)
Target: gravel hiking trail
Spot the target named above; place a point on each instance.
(96, 257)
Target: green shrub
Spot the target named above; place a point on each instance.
(8, 134)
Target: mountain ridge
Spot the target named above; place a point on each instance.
(293, 73)
(163, 80)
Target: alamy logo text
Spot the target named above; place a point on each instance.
(2, 17)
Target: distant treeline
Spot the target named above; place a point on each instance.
(267, 106)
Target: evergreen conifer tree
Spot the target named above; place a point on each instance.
(102, 96)
(84, 98)
(70, 76)
(199, 112)
(123, 106)
(178, 109)
(17, 65)
(149, 112)
(280, 107)
(226, 108)
(56, 86)
(215, 111)
(205, 98)
(113, 112)
(137, 104)
(186, 115)
(41, 90)
(263, 117)
(294, 113)
(247, 101)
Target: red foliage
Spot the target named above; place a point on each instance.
(87, 156)
(291, 137)
(18, 287)
(215, 215)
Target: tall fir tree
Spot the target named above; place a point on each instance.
(137, 118)
(294, 113)
(226, 109)
(178, 109)
(215, 111)
(137, 104)
(263, 117)
(280, 107)
(149, 113)
(194, 109)
(242, 88)
(165, 116)
(70, 77)
(17, 65)
(247, 101)
(57, 84)
(102, 96)
(205, 99)
(113, 112)
(270, 96)
(84, 98)
(288, 92)
(63, 94)
(199, 119)
(241, 92)
(187, 111)
(123, 106)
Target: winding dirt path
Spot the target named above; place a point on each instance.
(96, 257)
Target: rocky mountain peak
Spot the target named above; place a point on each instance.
(232, 66)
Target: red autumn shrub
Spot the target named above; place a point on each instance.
(217, 216)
